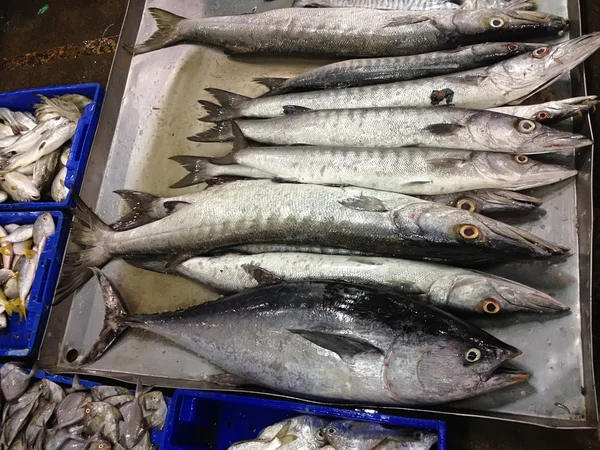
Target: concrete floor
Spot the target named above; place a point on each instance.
(74, 42)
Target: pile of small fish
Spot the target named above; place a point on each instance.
(312, 433)
(338, 253)
(40, 414)
(21, 247)
(34, 148)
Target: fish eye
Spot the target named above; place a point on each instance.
(88, 410)
(473, 355)
(332, 430)
(320, 435)
(418, 435)
(513, 47)
(521, 159)
(496, 22)
(540, 52)
(542, 115)
(526, 126)
(469, 232)
(491, 306)
(466, 204)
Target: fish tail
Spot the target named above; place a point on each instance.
(273, 83)
(88, 230)
(167, 33)
(142, 207)
(116, 318)
(228, 108)
(221, 132)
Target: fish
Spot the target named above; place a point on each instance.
(70, 106)
(511, 80)
(17, 421)
(154, 409)
(367, 71)
(44, 170)
(49, 142)
(417, 5)
(385, 223)
(256, 444)
(450, 128)
(58, 440)
(457, 290)
(71, 410)
(145, 443)
(19, 187)
(43, 227)
(64, 155)
(489, 202)
(347, 32)
(551, 112)
(33, 138)
(5, 131)
(3, 196)
(388, 349)
(37, 424)
(354, 435)
(119, 400)
(58, 190)
(27, 271)
(134, 425)
(104, 445)
(14, 380)
(411, 171)
(9, 118)
(101, 393)
(103, 419)
(20, 234)
(52, 391)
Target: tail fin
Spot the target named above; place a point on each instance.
(227, 110)
(145, 208)
(275, 85)
(167, 33)
(114, 319)
(200, 169)
(221, 132)
(87, 229)
(154, 263)
(239, 143)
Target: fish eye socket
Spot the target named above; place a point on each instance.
(521, 159)
(466, 204)
(496, 22)
(540, 52)
(469, 232)
(526, 126)
(473, 355)
(513, 47)
(320, 435)
(542, 115)
(491, 306)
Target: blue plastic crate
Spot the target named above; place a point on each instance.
(81, 143)
(157, 435)
(23, 339)
(202, 420)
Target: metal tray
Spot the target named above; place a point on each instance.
(151, 107)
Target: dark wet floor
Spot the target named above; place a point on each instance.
(74, 41)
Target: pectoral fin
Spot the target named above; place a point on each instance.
(262, 276)
(364, 203)
(346, 347)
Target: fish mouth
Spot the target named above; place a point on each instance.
(504, 202)
(505, 375)
(535, 20)
(582, 47)
(536, 302)
(560, 140)
(544, 176)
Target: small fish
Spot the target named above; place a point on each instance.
(134, 425)
(44, 170)
(154, 409)
(105, 445)
(57, 441)
(58, 190)
(20, 234)
(348, 32)
(15, 380)
(145, 443)
(72, 409)
(449, 128)
(6, 250)
(64, 155)
(17, 421)
(19, 187)
(23, 143)
(27, 170)
(52, 391)
(9, 118)
(551, 112)
(37, 424)
(102, 419)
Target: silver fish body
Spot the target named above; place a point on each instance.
(20, 234)
(454, 289)
(367, 71)
(44, 170)
(551, 112)
(154, 409)
(348, 32)
(450, 128)
(33, 138)
(511, 80)
(102, 419)
(411, 171)
(356, 219)
(19, 187)
(58, 190)
(14, 380)
(416, 5)
(266, 335)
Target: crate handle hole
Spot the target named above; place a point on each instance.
(72, 355)
(229, 424)
(252, 427)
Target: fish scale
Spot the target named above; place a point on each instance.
(416, 4)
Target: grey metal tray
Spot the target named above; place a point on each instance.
(151, 107)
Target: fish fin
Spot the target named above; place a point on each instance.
(176, 260)
(199, 168)
(155, 263)
(87, 229)
(344, 346)
(271, 82)
(115, 316)
(531, 94)
(239, 143)
(220, 132)
(137, 200)
(417, 182)
(447, 162)
(443, 128)
(293, 109)
(221, 180)
(407, 20)
(285, 440)
(363, 260)
(167, 33)
(229, 101)
(364, 203)
(284, 430)
(174, 206)
(263, 277)
(140, 203)
(285, 180)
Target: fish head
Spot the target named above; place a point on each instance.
(499, 49)
(454, 360)
(543, 65)
(354, 434)
(490, 295)
(309, 431)
(426, 440)
(454, 229)
(489, 202)
(519, 171)
(501, 132)
(499, 24)
(100, 445)
(557, 111)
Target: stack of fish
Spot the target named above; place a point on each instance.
(312, 433)
(34, 149)
(21, 247)
(43, 415)
(336, 251)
